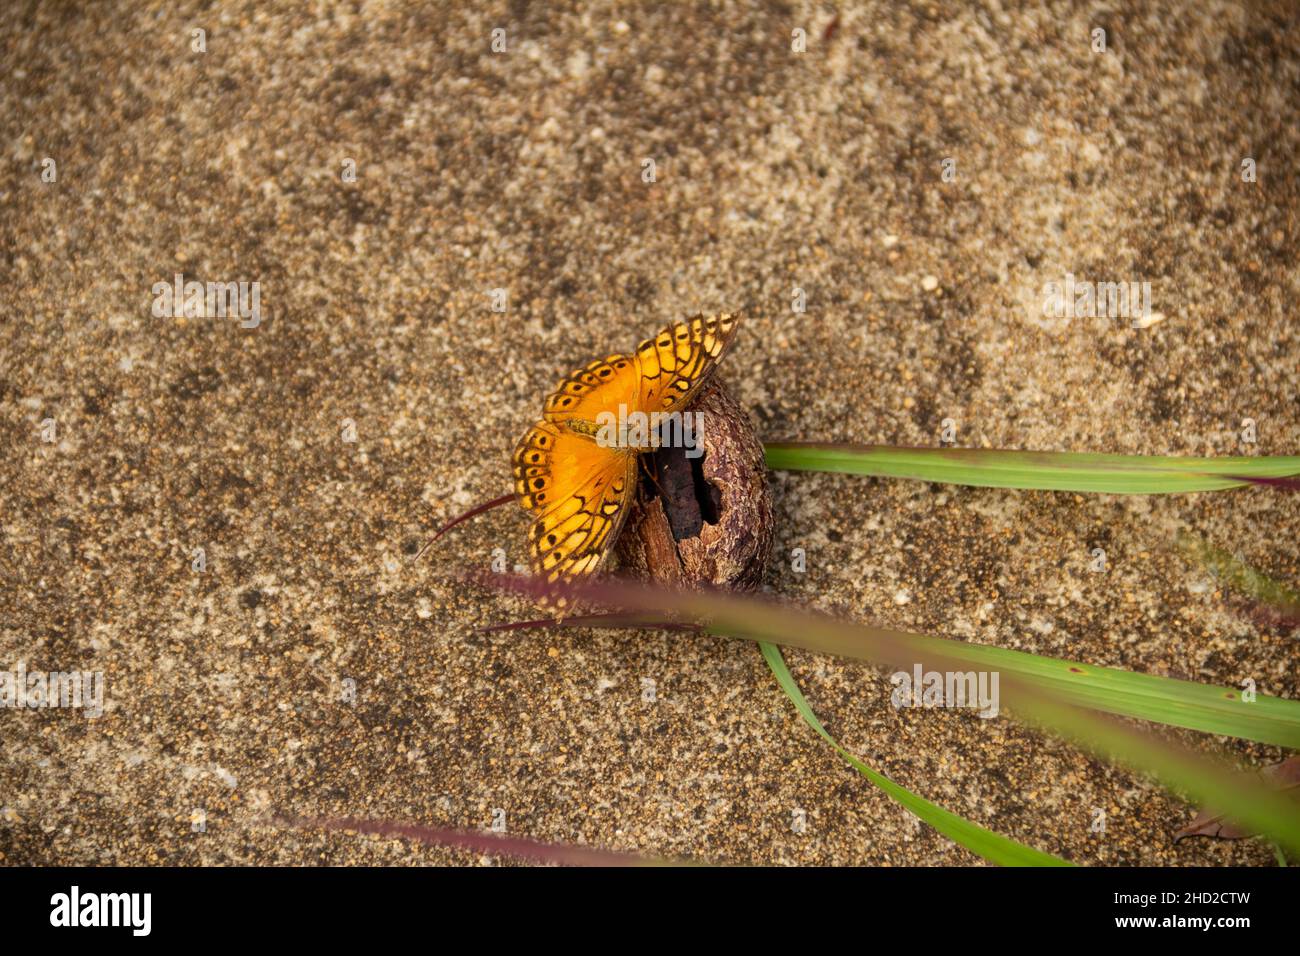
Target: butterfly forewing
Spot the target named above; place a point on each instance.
(588, 391)
(678, 361)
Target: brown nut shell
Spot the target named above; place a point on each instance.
(705, 521)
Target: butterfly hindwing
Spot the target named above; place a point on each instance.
(576, 537)
(580, 493)
(534, 467)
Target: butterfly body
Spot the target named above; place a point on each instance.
(620, 437)
(576, 470)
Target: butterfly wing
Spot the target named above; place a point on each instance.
(599, 387)
(662, 375)
(580, 492)
(676, 363)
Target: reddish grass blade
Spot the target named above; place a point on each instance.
(614, 620)
(494, 503)
(487, 843)
(1282, 484)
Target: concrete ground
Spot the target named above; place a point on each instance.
(523, 171)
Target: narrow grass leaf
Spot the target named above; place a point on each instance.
(1043, 701)
(1166, 700)
(489, 844)
(991, 846)
(1049, 471)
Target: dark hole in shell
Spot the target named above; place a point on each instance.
(690, 500)
(707, 520)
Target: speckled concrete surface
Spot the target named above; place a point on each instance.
(523, 171)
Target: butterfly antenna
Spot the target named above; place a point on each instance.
(652, 475)
(494, 503)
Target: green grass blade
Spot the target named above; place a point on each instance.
(1048, 471)
(1246, 801)
(1207, 708)
(1041, 696)
(1164, 700)
(991, 846)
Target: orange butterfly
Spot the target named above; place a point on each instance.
(581, 488)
